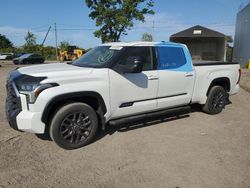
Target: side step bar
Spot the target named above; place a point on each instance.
(171, 111)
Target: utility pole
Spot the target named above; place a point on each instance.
(56, 42)
(45, 40)
(46, 35)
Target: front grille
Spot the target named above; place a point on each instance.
(13, 103)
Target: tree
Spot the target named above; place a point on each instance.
(30, 45)
(49, 52)
(229, 39)
(229, 53)
(115, 17)
(229, 49)
(64, 45)
(147, 37)
(5, 42)
(30, 39)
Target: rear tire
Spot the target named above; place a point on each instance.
(73, 126)
(39, 62)
(216, 100)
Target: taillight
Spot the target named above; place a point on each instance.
(239, 76)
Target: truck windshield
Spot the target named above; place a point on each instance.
(98, 57)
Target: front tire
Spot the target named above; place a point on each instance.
(24, 62)
(74, 126)
(216, 100)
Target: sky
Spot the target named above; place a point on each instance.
(74, 25)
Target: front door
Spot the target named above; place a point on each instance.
(134, 93)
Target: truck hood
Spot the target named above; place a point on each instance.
(54, 70)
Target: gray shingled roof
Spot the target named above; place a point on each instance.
(198, 31)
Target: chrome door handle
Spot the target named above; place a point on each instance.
(152, 77)
(189, 74)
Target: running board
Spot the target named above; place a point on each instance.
(171, 111)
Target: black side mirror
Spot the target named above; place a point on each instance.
(133, 64)
(137, 65)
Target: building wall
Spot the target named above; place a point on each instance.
(241, 51)
(209, 49)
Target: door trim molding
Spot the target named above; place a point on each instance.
(131, 103)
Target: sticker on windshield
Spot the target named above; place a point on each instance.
(105, 57)
(115, 47)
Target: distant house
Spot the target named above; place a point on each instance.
(203, 43)
(241, 52)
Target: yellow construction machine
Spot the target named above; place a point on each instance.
(71, 54)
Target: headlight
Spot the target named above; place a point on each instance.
(31, 86)
(32, 91)
(28, 87)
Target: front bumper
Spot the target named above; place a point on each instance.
(18, 115)
(12, 104)
(30, 122)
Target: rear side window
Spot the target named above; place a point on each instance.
(35, 56)
(170, 57)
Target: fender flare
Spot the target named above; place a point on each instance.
(222, 81)
(71, 96)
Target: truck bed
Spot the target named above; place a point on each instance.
(207, 71)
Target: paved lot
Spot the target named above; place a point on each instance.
(197, 150)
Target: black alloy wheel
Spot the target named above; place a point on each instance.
(216, 100)
(74, 125)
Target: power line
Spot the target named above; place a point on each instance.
(80, 29)
(71, 25)
(156, 24)
(38, 27)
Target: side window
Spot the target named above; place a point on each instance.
(35, 56)
(142, 52)
(170, 57)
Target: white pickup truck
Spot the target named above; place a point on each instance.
(114, 83)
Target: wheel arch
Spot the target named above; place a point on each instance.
(222, 81)
(91, 98)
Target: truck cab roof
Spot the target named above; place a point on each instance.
(143, 44)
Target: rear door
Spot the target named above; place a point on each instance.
(176, 76)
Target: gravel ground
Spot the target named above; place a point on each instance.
(196, 150)
(245, 79)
